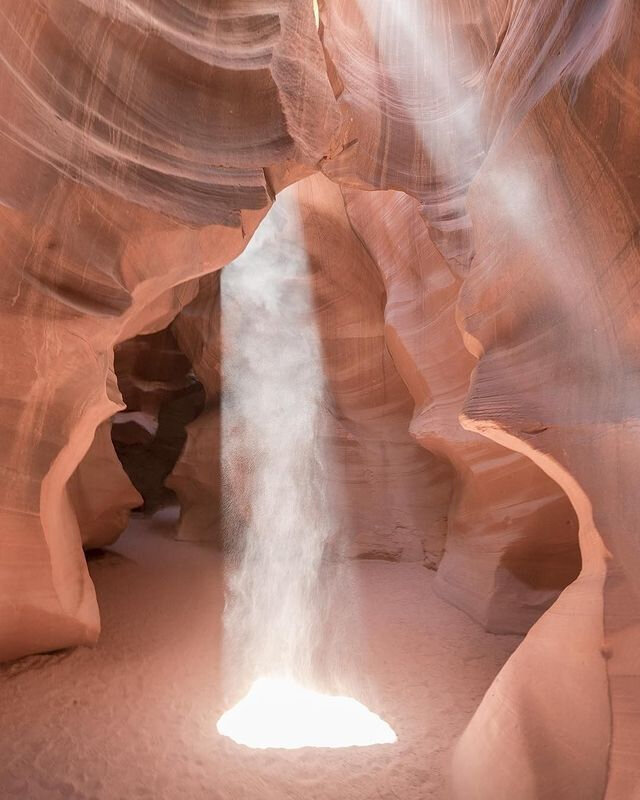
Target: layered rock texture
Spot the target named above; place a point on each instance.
(101, 493)
(114, 119)
(469, 200)
(196, 477)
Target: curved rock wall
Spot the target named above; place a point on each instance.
(512, 534)
(141, 144)
(101, 493)
(196, 477)
(111, 119)
(409, 78)
(550, 236)
(394, 495)
(550, 308)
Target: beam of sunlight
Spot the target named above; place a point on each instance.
(425, 53)
(278, 515)
(289, 592)
(278, 713)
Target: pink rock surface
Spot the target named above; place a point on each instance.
(511, 543)
(101, 493)
(474, 248)
(112, 119)
(196, 476)
(394, 494)
(555, 380)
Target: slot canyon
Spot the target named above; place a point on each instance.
(317, 324)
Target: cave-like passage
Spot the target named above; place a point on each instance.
(287, 602)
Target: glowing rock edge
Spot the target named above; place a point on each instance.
(282, 714)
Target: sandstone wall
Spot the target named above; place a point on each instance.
(480, 185)
(112, 119)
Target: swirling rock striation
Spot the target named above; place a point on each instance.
(512, 534)
(474, 248)
(131, 162)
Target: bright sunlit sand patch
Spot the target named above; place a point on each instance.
(282, 714)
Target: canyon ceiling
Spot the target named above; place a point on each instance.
(467, 176)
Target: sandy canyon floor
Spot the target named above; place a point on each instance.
(135, 716)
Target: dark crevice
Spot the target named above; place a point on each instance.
(162, 397)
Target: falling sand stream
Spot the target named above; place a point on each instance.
(291, 607)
